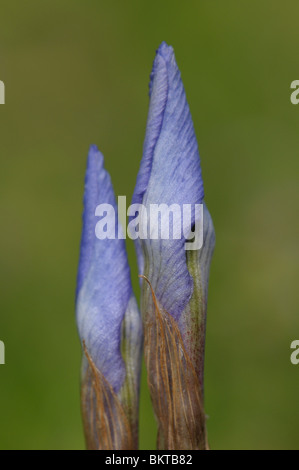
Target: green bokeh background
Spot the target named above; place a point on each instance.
(76, 73)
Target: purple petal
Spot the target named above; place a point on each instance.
(170, 173)
(104, 287)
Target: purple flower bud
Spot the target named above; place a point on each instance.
(109, 325)
(173, 303)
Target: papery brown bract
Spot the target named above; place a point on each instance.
(174, 384)
(106, 424)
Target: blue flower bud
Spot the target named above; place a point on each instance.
(109, 325)
(174, 300)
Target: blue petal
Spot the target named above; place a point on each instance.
(94, 165)
(104, 287)
(170, 173)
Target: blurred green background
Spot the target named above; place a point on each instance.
(77, 73)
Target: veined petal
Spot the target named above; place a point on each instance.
(104, 286)
(169, 173)
(94, 165)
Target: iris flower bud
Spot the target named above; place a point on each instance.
(174, 298)
(109, 324)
